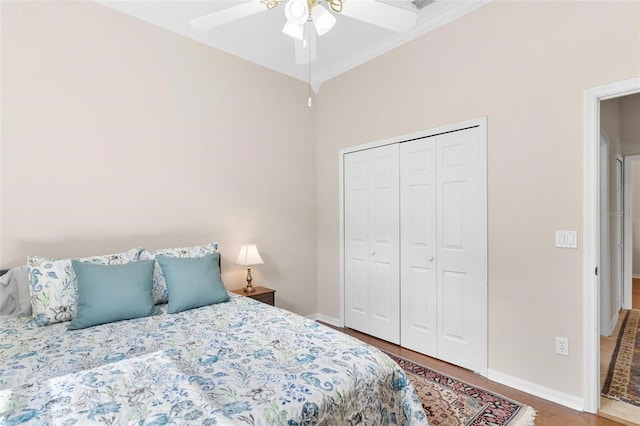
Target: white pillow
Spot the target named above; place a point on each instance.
(15, 299)
(54, 286)
(160, 293)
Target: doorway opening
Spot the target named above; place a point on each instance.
(592, 234)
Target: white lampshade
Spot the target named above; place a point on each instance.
(293, 30)
(249, 255)
(297, 11)
(323, 20)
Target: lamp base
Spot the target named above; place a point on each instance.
(249, 288)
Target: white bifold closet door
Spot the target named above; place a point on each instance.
(443, 292)
(372, 264)
(419, 275)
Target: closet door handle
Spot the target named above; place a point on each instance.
(431, 259)
(373, 253)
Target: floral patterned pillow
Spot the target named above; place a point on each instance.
(54, 286)
(160, 293)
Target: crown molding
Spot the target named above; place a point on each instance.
(431, 17)
(449, 11)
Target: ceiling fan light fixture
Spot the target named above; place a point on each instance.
(323, 20)
(297, 11)
(293, 30)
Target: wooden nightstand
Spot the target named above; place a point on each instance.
(262, 294)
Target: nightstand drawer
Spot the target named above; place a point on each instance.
(267, 298)
(262, 294)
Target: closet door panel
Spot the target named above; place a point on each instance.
(460, 285)
(453, 287)
(382, 288)
(418, 246)
(384, 244)
(356, 240)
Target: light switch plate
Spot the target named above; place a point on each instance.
(567, 239)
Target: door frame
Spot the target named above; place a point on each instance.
(605, 235)
(480, 122)
(627, 280)
(619, 233)
(591, 250)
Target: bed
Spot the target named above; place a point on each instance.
(235, 362)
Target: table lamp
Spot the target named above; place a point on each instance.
(248, 257)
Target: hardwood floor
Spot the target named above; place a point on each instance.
(549, 414)
(609, 407)
(635, 297)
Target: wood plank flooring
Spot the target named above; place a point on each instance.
(617, 410)
(635, 297)
(549, 414)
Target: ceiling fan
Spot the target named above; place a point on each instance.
(305, 15)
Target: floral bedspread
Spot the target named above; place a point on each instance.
(240, 362)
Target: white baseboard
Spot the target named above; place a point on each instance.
(326, 319)
(552, 395)
(635, 276)
(612, 324)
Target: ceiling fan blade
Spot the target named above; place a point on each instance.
(380, 14)
(228, 15)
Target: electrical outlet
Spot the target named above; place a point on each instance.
(562, 346)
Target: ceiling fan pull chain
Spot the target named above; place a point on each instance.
(309, 101)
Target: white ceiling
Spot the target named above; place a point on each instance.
(259, 39)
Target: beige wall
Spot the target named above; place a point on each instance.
(116, 133)
(620, 119)
(629, 118)
(610, 121)
(630, 123)
(636, 219)
(524, 65)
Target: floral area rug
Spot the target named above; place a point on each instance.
(623, 378)
(451, 402)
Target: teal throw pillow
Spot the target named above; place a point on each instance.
(108, 293)
(192, 282)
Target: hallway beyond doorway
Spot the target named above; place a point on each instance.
(619, 411)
